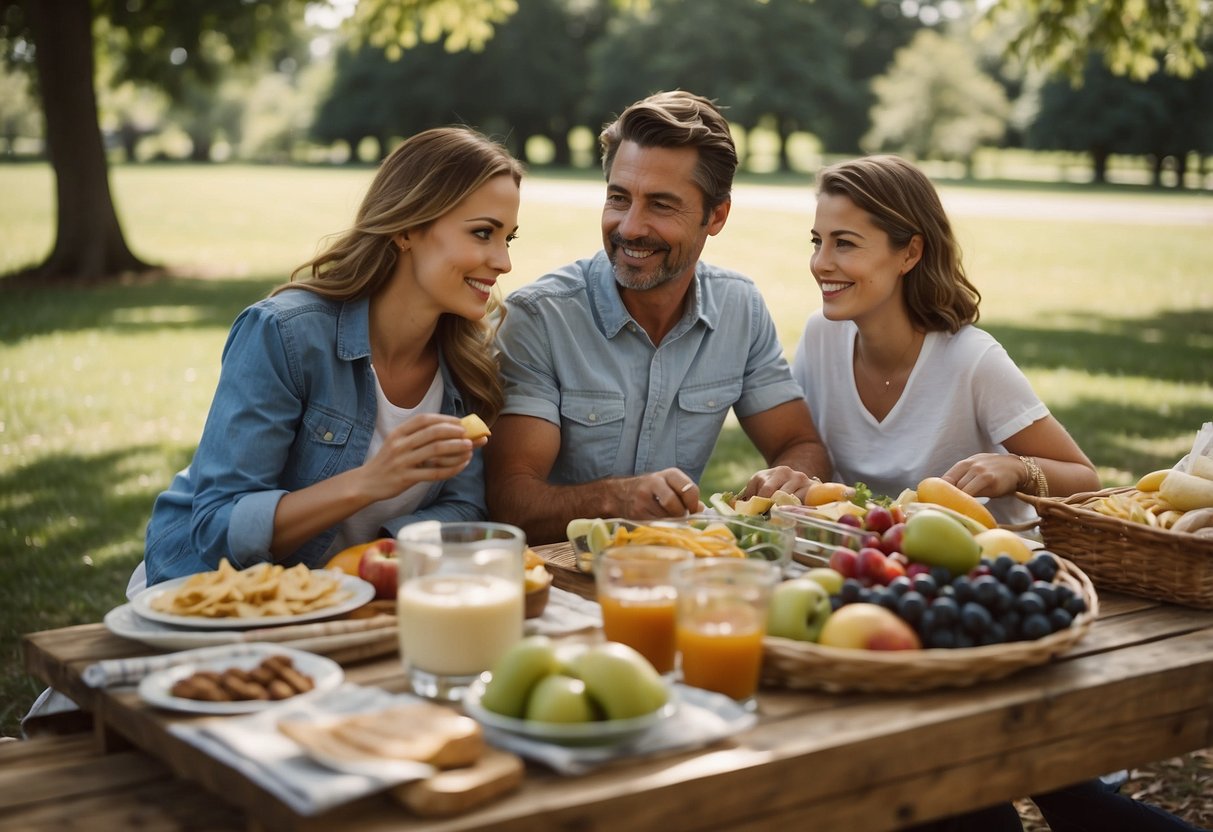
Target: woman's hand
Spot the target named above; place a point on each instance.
(426, 447)
(988, 475)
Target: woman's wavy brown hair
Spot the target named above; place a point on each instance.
(902, 202)
(422, 179)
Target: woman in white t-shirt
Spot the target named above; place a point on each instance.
(901, 385)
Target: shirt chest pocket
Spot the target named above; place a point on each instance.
(592, 426)
(701, 413)
(321, 443)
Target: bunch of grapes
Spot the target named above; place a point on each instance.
(999, 601)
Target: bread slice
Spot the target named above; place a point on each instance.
(421, 731)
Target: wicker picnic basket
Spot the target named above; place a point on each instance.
(803, 665)
(1127, 557)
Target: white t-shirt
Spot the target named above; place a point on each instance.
(364, 526)
(964, 396)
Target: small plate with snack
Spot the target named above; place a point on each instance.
(253, 677)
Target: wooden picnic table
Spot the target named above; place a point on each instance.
(1137, 688)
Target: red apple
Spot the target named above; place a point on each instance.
(892, 538)
(878, 519)
(845, 562)
(872, 564)
(850, 520)
(378, 567)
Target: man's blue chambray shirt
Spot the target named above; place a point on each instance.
(295, 405)
(573, 356)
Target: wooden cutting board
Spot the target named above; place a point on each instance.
(459, 790)
(561, 561)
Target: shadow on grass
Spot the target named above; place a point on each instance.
(140, 306)
(58, 510)
(1175, 346)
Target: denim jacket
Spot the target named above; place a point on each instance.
(295, 405)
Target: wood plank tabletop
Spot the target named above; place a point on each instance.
(1136, 689)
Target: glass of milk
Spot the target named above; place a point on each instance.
(460, 602)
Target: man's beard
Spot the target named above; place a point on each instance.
(638, 278)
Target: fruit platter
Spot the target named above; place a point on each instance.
(916, 595)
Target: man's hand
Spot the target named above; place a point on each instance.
(780, 478)
(668, 493)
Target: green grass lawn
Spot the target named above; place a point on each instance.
(105, 389)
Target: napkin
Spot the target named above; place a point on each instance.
(702, 718)
(113, 672)
(565, 613)
(255, 747)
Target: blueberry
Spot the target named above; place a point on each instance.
(1036, 626)
(1029, 604)
(996, 634)
(900, 585)
(911, 606)
(927, 623)
(985, 590)
(1043, 566)
(865, 596)
(1018, 578)
(962, 590)
(965, 639)
(888, 600)
(836, 603)
(942, 575)
(1047, 593)
(1004, 599)
(925, 585)
(1009, 621)
(1064, 593)
(945, 592)
(1001, 566)
(1076, 606)
(946, 611)
(942, 637)
(1060, 619)
(850, 591)
(975, 618)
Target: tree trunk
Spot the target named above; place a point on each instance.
(1099, 165)
(88, 239)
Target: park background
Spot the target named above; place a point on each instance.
(238, 135)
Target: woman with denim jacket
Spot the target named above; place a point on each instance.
(335, 417)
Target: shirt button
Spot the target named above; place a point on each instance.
(593, 417)
(328, 436)
(712, 403)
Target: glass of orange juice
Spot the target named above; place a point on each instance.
(721, 620)
(637, 599)
(459, 605)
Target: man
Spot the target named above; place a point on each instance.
(620, 369)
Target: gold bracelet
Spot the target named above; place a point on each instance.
(1036, 477)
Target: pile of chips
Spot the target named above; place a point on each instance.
(262, 590)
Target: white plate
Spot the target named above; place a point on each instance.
(601, 732)
(122, 621)
(155, 688)
(360, 592)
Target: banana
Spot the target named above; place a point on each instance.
(1201, 518)
(1152, 480)
(1187, 491)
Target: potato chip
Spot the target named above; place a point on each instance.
(263, 589)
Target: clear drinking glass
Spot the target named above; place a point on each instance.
(637, 599)
(460, 602)
(721, 620)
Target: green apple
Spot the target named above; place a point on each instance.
(620, 680)
(934, 538)
(798, 610)
(559, 698)
(830, 579)
(516, 673)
